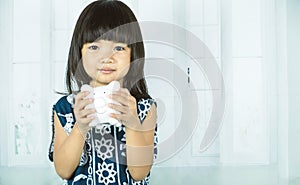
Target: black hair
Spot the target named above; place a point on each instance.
(108, 20)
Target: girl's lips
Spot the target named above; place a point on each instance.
(107, 70)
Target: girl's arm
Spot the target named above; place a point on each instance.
(139, 137)
(140, 147)
(68, 149)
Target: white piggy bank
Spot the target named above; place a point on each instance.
(101, 101)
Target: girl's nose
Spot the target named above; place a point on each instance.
(107, 60)
(107, 55)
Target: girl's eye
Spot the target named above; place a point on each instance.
(93, 47)
(119, 48)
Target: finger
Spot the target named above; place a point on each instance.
(124, 98)
(120, 108)
(125, 91)
(87, 120)
(81, 95)
(120, 99)
(87, 112)
(81, 104)
(123, 119)
(117, 116)
(122, 92)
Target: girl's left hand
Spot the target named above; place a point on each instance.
(128, 108)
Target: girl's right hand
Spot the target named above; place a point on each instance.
(83, 116)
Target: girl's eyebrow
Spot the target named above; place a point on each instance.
(104, 41)
(113, 42)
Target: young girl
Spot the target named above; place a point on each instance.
(106, 46)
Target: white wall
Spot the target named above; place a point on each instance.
(26, 82)
(293, 56)
(5, 57)
(248, 135)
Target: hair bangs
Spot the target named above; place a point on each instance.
(111, 23)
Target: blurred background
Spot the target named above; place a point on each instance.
(255, 44)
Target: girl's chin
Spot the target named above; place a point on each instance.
(103, 82)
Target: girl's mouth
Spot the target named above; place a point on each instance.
(107, 70)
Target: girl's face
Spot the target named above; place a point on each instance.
(105, 61)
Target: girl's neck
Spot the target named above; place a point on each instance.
(95, 83)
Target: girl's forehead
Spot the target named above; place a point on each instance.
(102, 41)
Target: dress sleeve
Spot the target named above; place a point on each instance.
(51, 147)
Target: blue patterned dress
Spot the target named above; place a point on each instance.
(103, 159)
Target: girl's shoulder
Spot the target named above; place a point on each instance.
(143, 106)
(64, 104)
(146, 103)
